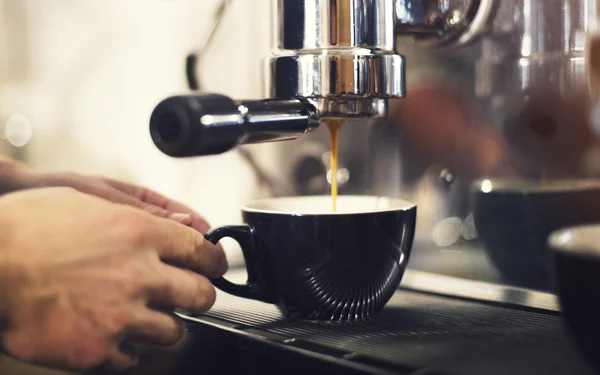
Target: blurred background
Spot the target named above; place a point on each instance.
(79, 79)
(482, 130)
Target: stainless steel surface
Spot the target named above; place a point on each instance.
(533, 45)
(483, 291)
(339, 52)
(442, 22)
(344, 75)
(309, 25)
(350, 108)
(263, 119)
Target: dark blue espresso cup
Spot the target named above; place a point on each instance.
(317, 264)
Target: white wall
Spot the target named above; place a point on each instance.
(87, 74)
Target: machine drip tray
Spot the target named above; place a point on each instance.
(415, 331)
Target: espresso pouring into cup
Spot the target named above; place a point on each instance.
(318, 264)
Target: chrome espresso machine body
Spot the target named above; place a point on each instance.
(498, 89)
(469, 108)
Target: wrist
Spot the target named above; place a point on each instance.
(3, 295)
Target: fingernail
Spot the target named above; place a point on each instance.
(182, 218)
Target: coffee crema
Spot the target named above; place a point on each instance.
(320, 205)
(334, 126)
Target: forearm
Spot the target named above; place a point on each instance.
(14, 176)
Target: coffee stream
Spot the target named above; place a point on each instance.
(334, 131)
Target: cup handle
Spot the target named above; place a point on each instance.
(253, 287)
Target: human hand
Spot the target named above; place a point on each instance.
(124, 193)
(81, 278)
(15, 176)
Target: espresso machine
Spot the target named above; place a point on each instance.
(464, 107)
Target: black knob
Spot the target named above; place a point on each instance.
(196, 125)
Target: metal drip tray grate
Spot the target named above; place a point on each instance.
(417, 331)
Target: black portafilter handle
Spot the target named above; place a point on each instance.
(210, 124)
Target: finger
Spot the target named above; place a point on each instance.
(183, 289)
(158, 200)
(122, 358)
(185, 247)
(103, 188)
(154, 327)
(120, 197)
